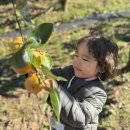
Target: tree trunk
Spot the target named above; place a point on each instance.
(64, 5)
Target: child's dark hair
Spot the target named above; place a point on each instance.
(105, 52)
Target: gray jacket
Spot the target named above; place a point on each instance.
(81, 102)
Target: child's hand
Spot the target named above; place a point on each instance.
(48, 85)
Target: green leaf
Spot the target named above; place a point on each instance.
(32, 42)
(55, 102)
(35, 62)
(49, 74)
(42, 32)
(47, 61)
(20, 58)
(36, 44)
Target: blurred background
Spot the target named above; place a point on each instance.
(72, 19)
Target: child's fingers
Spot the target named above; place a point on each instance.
(50, 83)
(55, 83)
(47, 84)
(43, 77)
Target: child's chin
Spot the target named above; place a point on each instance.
(78, 75)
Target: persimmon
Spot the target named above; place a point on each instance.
(39, 58)
(29, 68)
(23, 70)
(38, 55)
(17, 44)
(33, 84)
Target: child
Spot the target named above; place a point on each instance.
(83, 95)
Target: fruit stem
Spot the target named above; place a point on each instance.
(39, 77)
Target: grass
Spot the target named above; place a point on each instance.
(50, 12)
(115, 114)
(118, 117)
(18, 105)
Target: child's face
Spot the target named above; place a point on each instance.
(85, 65)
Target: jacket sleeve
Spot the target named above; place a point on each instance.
(66, 72)
(78, 114)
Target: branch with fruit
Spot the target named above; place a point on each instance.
(29, 56)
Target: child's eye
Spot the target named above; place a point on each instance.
(85, 59)
(76, 55)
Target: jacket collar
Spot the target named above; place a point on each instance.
(78, 83)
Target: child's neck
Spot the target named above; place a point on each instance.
(92, 78)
